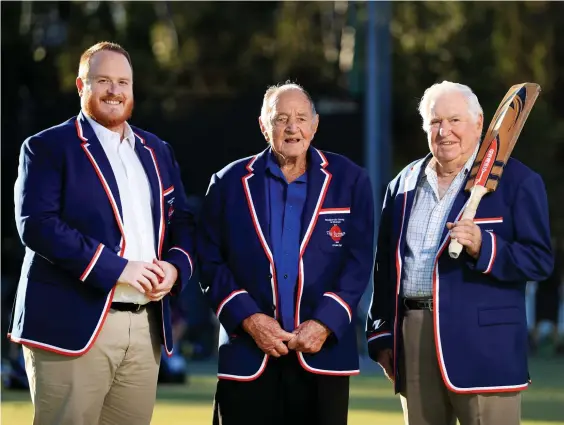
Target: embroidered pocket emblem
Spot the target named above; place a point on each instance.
(170, 203)
(335, 232)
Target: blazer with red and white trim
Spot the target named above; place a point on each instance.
(69, 217)
(479, 305)
(336, 259)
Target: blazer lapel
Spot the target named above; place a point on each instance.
(95, 153)
(409, 191)
(254, 185)
(318, 182)
(149, 161)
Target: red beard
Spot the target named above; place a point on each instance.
(112, 120)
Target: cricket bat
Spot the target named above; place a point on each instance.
(497, 145)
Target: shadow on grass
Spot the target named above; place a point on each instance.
(543, 401)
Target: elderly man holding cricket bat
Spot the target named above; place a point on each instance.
(456, 246)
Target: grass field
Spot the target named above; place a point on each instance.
(372, 401)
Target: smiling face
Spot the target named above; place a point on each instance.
(453, 132)
(291, 124)
(107, 89)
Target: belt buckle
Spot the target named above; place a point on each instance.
(428, 304)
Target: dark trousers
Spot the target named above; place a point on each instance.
(285, 394)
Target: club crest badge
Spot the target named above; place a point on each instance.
(336, 233)
(170, 203)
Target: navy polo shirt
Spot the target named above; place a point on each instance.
(285, 205)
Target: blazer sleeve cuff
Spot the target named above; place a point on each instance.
(104, 269)
(379, 341)
(335, 313)
(182, 260)
(488, 253)
(235, 308)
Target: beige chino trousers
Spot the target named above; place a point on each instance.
(114, 383)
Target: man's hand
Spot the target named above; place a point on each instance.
(310, 337)
(386, 361)
(268, 334)
(165, 284)
(468, 234)
(140, 275)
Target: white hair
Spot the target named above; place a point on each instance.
(272, 93)
(436, 90)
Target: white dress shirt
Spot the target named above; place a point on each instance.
(428, 218)
(136, 202)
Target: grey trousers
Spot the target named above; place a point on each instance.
(425, 398)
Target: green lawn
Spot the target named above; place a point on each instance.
(372, 401)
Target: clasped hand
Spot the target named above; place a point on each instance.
(155, 279)
(309, 337)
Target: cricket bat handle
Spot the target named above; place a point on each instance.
(476, 194)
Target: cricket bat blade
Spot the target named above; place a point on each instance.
(496, 148)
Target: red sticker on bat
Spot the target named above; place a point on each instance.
(487, 164)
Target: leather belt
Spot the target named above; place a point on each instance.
(418, 304)
(128, 307)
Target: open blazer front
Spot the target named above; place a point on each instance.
(335, 261)
(69, 217)
(479, 306)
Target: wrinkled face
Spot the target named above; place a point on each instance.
(453, 133)
(292, 125)
(107, 91)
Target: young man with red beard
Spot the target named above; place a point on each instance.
(102, 212)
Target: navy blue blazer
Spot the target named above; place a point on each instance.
(479, 306)
(335, 263)
(69, 217)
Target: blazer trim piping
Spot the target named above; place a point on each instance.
(161, 197)
(92, 263)
(187, 256)
(341, 302)
(64, 351)
(437, 330)
(243, 378)
(227, 299)
(493, 253)
(258, 230)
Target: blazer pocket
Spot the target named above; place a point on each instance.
(488, 220)
(335, 211)
(499, 316)
(334, 223)
(168, 191)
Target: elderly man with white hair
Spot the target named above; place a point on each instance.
(452, 333)
(285, 245)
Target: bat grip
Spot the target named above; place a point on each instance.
(476, 194)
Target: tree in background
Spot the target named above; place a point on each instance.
(188, 52)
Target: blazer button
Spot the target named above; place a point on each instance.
(273, 307)
(117, 248)
(269, 276)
